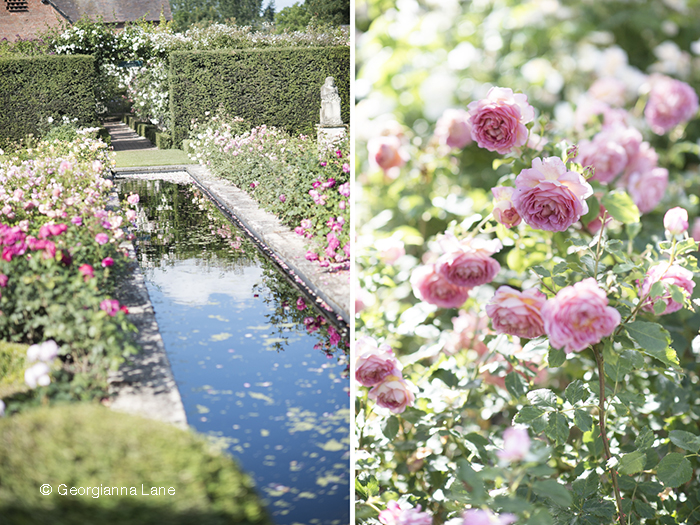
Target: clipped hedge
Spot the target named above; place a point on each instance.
(33, 88)
(275, 87)
(90, 446)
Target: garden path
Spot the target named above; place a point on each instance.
(125, 139)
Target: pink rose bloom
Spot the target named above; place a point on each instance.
(670, 102)
(453, 129)
(283, 198)
(647, 189)
(374, 363)
(605, 154)
(107, 261)
(548, 197)
(503, 208)
(468, 263)
(642, 160)
(467, 330)
(390, 249)
(344, 189)
(130, 215)
(301, 304)
(311, 256)
(498, 121)
(517, 313)
(102, 238)
(609, 90)
(579, 316)
(668, 275)
(386, 152)
(484, 517)
(133, 199)
(3, 280)
(395, 515)
(676, 220)
(516, 445)
(37, 374)
(393, 393)
(111, 306)
(46, 351)
(696, 230)
(87, 271)
(432, 288)
(77, 221)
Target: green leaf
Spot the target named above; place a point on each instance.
(644, 509)
(556, 357)
(541, 271)
(542, 397)
(618, 370)
(620, 207)
(516, 385)
(674, 470)
(645, 439)
(528, 414)
(685, 440)
(468, 475)
(593, 210)
(446, 376)
(583, 420)
(555, 492)
(653, 340)
(576, 391)
(390, 427)
(557, 428)
(632, 463)
(560, 267)
(585, 488)
(659, 307)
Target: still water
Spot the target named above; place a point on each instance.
(258, 368)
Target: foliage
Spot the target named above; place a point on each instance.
(612, 423)
(93, 449)
(263, 86)
(332, 12)
(293, 18)
(35, 88)
(286, 175)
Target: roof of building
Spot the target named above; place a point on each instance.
(114, 10)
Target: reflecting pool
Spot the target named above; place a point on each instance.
(258, 368)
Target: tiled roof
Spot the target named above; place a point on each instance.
(114, 10)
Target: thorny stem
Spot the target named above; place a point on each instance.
(604, 435)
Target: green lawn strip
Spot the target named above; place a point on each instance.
(12, 366)
(160, 157)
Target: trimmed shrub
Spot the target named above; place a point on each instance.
(34, 88)
(164, 140)
(90, 446)
(275, 87)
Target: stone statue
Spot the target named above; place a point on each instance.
(330, 105)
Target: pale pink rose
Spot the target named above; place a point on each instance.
(390, 249)
(386, 152)
(517, 313)
(484, 517)
(516, 445)
(395, 515)
(503, 208)
(393, 393)
(579, 316)
(548, 197)
(133, 199)
(498, 121)
(668, 275)
(468, 263)
(102, 238)
(696, 230)
(374, 363)
(670, 102)
(454, 129)
(643, 160)
(37, 374)
(605, 154)
(609, 90)
(46, 351)
(647, 189)
(466, 333)
(676, 220)
(589, 110)
(630, 139)
(432, 288)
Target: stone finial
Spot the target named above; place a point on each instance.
(330, 105)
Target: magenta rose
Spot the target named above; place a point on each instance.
(579, 316)
(454, 129)
(393, 393)
(667, 275)
(647, 189)
(670, 102)
(517, 313)
(374, 363)
(549, 197)
(433, 288)
(504, 211)
(605, 154)
(498, 121)
(468, 263)
(676, 220)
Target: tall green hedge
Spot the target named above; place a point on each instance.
(33, 88)
(276, 87)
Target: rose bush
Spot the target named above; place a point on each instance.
(560, 388)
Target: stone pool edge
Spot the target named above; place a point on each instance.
(283, 244)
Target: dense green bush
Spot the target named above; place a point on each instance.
(32, 89)
(275, 87)
(89, 446)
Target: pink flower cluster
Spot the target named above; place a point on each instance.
(668, 275)
(482, 517)
(394, 514)
(670, 102)
(377, 367)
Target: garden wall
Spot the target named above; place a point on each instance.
(34, 88)
(276, 87)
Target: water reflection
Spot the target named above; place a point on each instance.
(257, 366)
